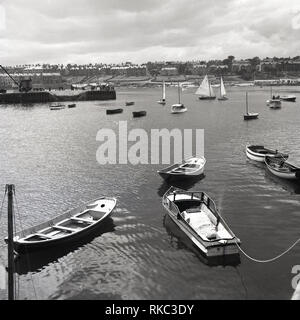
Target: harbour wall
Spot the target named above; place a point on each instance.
(44, 97)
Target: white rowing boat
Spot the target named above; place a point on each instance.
(67, 227)
(258, 153)
(281, 168)
(189, 168)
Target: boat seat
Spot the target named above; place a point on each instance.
(64, 228)
(82, 219)
(43, 236)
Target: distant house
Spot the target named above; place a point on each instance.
(169, 71)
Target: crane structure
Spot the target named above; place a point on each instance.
(25, 85)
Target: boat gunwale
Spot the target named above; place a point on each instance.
(176, 165)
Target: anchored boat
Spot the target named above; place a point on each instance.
(138, 114)
(163, 99)
(281, 168)
(57, 107)
(114, 111)
(195, 213)
(178, 107)
(69, 226)
(290, 98)
(129, 103)
(189, 168)
(258, 153)
(249, 115)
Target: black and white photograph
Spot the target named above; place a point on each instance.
(150, 151)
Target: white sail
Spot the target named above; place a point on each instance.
(164, 91)
(222, 88)
(205, 89)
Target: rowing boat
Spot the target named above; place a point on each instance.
(282, 168)
(190, 167)
(258, 153)
(68, 227)
(114, 111)
(195, 213)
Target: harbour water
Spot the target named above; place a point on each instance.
(50, 156)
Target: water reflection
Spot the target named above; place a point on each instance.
(292, 186)
(185, 184)
(179, 240)
(36, 260)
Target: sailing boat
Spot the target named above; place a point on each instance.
(205, 90)
(163, 99)
(249, 115)
(274, 102)
(178, 107)
(222, 91)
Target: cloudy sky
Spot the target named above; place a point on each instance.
(83, 31)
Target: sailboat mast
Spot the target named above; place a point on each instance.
(10, 189)
(178, 93)
(221, 86)
(247, 103)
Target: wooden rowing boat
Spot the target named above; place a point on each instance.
(258, 153)
(114, 111)
(195, 213)
(129, 103)
(68, 227)
(282, 168)
(137, 114)
(189, 168)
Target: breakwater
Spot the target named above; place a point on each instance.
(45, 96)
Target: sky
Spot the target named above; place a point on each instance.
(114, 31)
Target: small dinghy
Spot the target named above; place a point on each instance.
(114, 111)
(69, 226)
(73, 105)
(137, 114)
(57, 107)
(197, 216)
(281, 168)
(129, 103)
(178, 108)
(189, 168)
(258, 153)
(274, 103)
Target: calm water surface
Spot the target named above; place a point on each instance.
(140, 254)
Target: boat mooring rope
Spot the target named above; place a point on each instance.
(258, 260)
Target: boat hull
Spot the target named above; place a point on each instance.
(206, 98)
(22, 244)
(216, 251)
(290, 99)
(114, 111)
(250, 116)
(223, 99)
(138, 114)
(259, 157)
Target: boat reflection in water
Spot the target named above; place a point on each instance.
(179, 240)
(185, 184)
(34, 261)
(291, 186)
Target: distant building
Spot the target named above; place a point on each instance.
(169, 71)
(39, 80)
(239, 65)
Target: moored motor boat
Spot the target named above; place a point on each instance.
(290, 98)
(137, 114)
(281, 168)
(114, 111)
(195, 213)
(189, 168)
(274, 103)
(69, 226)
(258, 153)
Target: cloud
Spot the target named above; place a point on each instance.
(64, 31)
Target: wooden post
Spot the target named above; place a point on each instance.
(10, 222)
